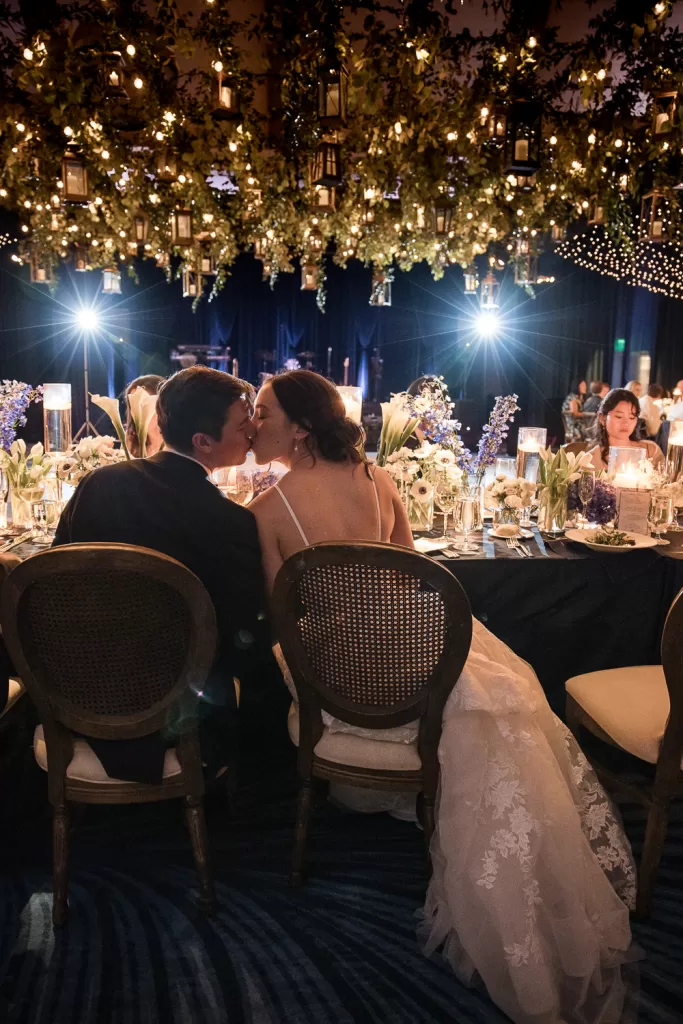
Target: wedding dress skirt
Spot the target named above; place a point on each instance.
(533, 876)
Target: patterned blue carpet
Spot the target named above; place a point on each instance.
(342, 950)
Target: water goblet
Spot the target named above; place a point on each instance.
(661, 510)
(446, 494)
(586, 490)
(468, 516)
(235, 482)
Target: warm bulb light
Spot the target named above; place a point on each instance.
(87, 318)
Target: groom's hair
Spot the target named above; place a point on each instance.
(197, 401)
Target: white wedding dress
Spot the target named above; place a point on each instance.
(533, 875)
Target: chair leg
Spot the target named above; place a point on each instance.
(196, 826)
(426, 817)
(655, 834)
(60, 864)
(303, 815)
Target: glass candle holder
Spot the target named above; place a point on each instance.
(353, 402)
(530, 440)
(623, 466)
(506, 466)
(674, 450)
(57, 417)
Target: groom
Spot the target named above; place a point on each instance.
(168, 503)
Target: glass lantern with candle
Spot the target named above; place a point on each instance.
(523, 139)
(674, 451)
(530, 440)
(623, 467)
(353, 402)
(57, 417)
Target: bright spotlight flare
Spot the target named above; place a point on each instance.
(87, 318)
(488, 324)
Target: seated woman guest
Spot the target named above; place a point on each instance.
(533, 875)
(150, 382)
(617, 427)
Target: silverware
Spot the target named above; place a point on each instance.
(513, 546)
(523, 548)
(450, 553)
(15, 542)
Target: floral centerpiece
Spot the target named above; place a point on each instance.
(509, 495)
(416, 473)
(602, 508)
(26, 472)
(492, 436)
(15, 398)
(142, 408)
(555, 474)
(86, 455)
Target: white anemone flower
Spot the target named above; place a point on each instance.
(422, 491)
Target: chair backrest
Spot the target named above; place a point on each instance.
(669, 765)
(106, 637)
(7, 563)
(375, 634)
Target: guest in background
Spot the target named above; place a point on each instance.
(598, 390)
(617, 428)
(572, 412)
(150, 383)
(169, 503)
(635, 387)
(676, 410)
(650, 411)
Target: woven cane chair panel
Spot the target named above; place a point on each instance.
(373, 635)
(111, 643)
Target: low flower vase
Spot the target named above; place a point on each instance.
(21, 509)
(504, 516)
(552, 510)
(420, 512)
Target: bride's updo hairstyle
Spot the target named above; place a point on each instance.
(315, 405)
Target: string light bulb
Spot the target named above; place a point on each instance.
(130, 50)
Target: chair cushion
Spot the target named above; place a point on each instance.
(16, 688)
(630, 704)
(86, 766)
(357, 751)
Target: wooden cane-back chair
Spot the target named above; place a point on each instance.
(110, 641)
(15, 693)
(377, 636)
(639, 709)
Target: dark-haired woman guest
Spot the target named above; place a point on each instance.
(572, 413)
(150, 382)
(618, 417)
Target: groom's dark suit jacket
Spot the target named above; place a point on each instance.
(168, 503)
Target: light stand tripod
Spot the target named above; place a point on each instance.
(88, 426)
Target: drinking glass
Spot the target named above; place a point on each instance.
(468, 516)
(586, 489)
(33, 497)
(661, 512)
(235, 482)
(446, 493)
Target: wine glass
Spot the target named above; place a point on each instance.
(661, 510)
(468, 516)
(33, 499)
(446, 494)
(235, 482)
(586, 489)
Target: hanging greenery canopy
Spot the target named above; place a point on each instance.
(312, 130)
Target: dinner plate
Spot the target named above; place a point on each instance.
(584, 537)
(524, 534)
(430, 545)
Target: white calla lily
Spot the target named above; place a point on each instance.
(113, 411)
(143, 406)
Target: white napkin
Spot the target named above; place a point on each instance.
(430, 545)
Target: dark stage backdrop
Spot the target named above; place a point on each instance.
(569, 328)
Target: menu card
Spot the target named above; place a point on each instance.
(633, 508)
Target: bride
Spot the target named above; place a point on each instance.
(532, 874)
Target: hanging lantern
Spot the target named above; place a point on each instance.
(208, 263)
(325, 199)
(81, 258)
(327, 165)
(260, 248)
(253, 198)
(75, 178)
(490, 291)
(133, 248)
(381, 289)
(442, 215)
(111, 281)
(596, 211)
(114, 79)
(471, 278)
(664, 114)
(368, 214)
(227, 98)
(181, 227)
(557, 234)
(494, 126)
(526, 270)
(166, 165)
(333, 85)
(654, 217)
(523, 139)
(163, 260)
(309, 277)
(40, 269)
(522, 246)
(315, 240)
(191, 283)
(140, 228)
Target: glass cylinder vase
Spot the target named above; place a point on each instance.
(552, 510)
(420, 509)
(20, 509)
